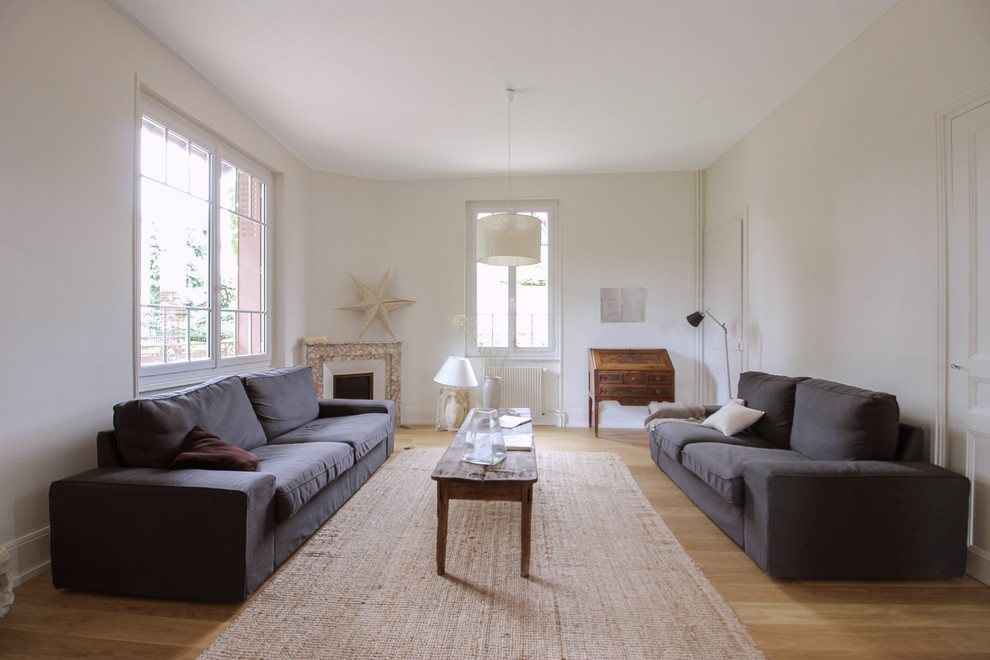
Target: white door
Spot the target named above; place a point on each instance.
(725, 269)
(968, 326)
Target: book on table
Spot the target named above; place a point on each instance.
(512, 421)
(518, 441)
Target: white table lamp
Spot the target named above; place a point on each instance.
(454, 402)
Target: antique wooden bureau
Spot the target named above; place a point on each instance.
(631, 376)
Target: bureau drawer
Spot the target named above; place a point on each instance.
(635, 378)
(635, 391)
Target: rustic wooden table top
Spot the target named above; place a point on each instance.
(518, 466)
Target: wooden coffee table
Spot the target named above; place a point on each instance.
(509, 481)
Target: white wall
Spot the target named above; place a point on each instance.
(840, 186)
(67, 125)
(615, 230)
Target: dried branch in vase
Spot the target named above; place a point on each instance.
(492, 357)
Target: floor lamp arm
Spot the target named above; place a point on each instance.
(725, 334)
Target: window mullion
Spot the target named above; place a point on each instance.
(511, 341)
(214, 256)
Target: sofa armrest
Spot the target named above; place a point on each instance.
(856, 519)
(344, 407)
(195, 534)
(107, 454)
(910, 443)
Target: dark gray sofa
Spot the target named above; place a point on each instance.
(827, 484)
(133, 526)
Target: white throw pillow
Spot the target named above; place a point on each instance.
(732, 418)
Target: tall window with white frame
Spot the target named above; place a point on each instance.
(513, 307)
(203, 219)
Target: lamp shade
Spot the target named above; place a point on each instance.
(695, 318)
(456, 372)
(509, 239)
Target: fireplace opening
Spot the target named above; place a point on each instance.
(353, 386)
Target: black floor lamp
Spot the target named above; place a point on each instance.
(695, 319)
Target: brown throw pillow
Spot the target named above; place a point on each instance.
(204, 451)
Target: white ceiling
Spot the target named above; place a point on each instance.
(414, 89)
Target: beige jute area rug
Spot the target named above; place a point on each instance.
(607, 578)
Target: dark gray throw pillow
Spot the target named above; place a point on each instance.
(838, 422)
(774, 395)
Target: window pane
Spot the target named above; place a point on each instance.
(243, 193)
(493, 305)
(533, 304)
(174, 247)
(249, 266)
(176, 334)
(242, 264)
(152, 336)
(178, 162)
(228, 178)
(152, 150)
(228, 332)
(257, 200)
(199, 334)
(199, 172)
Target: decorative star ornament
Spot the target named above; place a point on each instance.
(376, 304)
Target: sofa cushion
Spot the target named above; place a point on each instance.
(774, 395)
(204, 451)
(361, 432)
(150, 430)
(720, 465)
(842, 423)
(673, 437)
(302, 470)
(732, 418)
(283, 399)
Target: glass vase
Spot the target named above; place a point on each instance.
(483, 443)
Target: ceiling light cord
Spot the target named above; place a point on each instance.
(509, 94)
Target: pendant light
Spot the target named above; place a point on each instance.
(509, 239)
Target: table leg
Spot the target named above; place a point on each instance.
(526, 529)
(442, 502)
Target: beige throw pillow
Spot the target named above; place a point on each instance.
(732, 418)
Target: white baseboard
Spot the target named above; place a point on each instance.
(978, 564)
(29, 555)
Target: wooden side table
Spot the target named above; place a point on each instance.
(631, 376)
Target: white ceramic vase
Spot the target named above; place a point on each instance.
(491, 392)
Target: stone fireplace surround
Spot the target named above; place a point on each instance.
(381, 358)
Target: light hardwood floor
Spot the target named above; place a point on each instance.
(787, 618)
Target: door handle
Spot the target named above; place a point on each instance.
(954, 366)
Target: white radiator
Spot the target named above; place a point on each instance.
(522, 387)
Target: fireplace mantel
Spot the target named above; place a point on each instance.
(318, 351)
